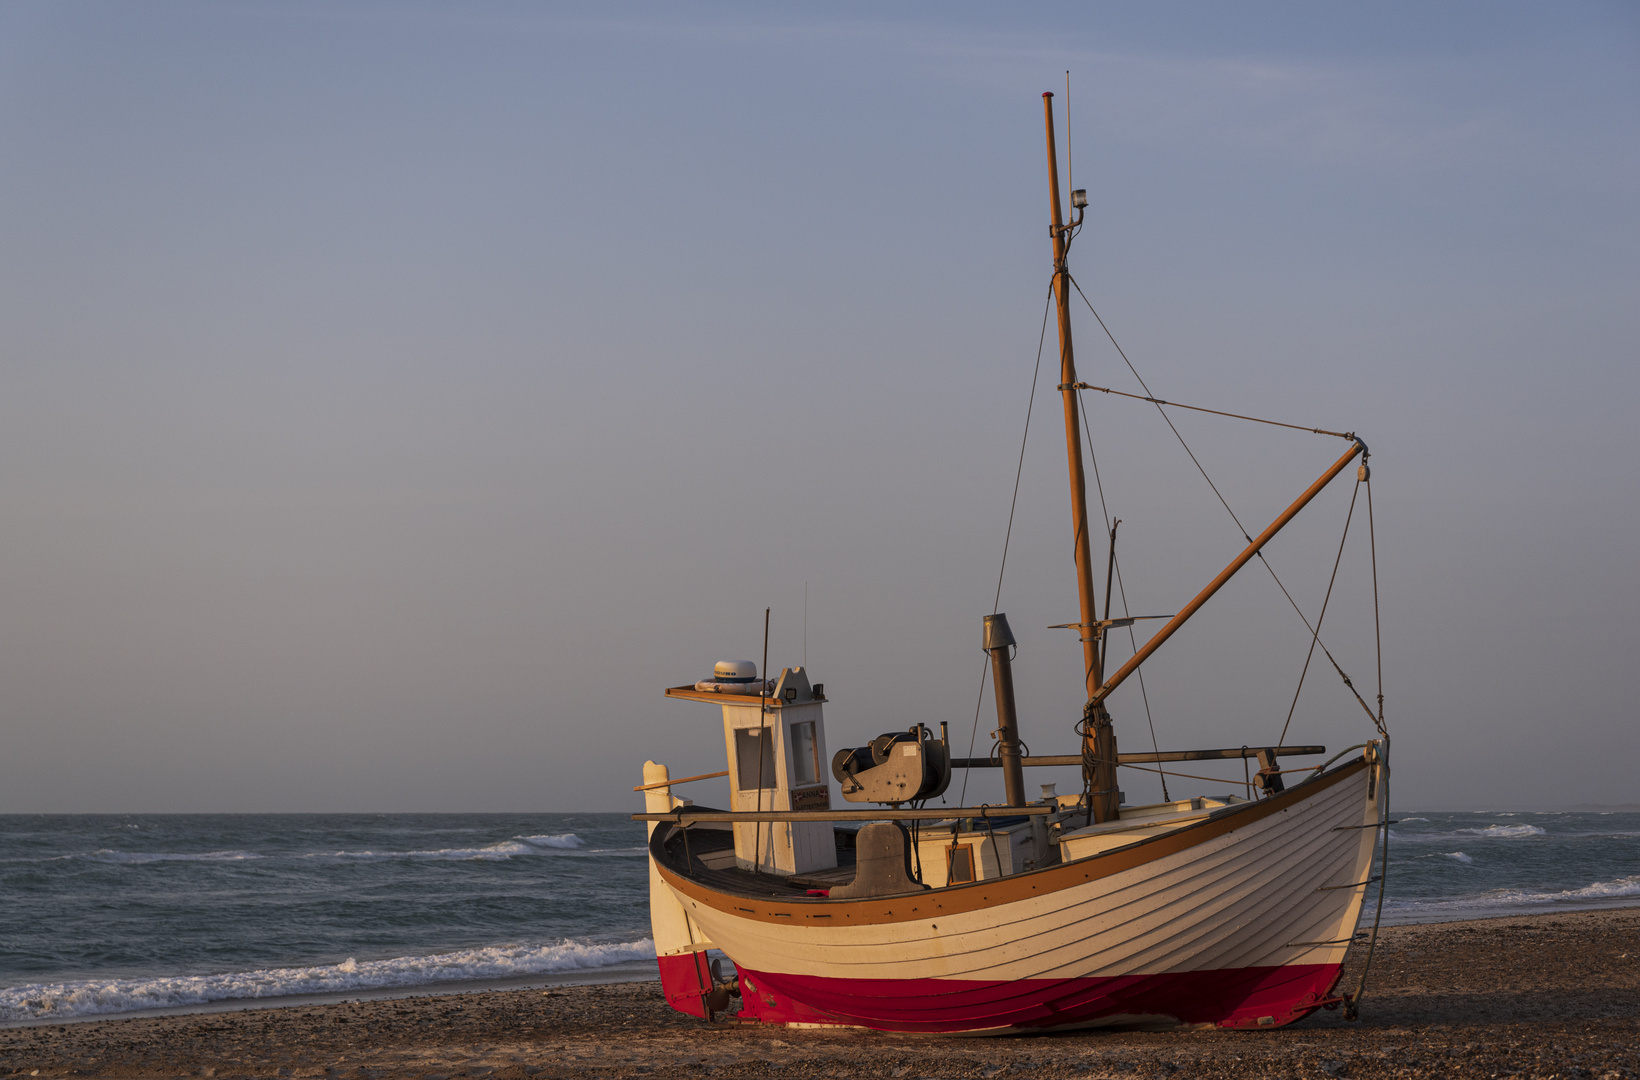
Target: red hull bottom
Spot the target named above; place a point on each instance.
(1235, 997)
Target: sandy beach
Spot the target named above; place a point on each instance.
(1536, 996)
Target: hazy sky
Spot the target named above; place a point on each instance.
(397, 397)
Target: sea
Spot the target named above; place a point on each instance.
(119, 914)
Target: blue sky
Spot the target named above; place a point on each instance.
(398, 397)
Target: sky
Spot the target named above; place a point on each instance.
(398, 397)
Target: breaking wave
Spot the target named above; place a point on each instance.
(543, 844)
(505, 849)
(1505, 831)
(1455, 856)
(96, 996)
(135, 857)
(1490, 832)
(1509, 901)
(559, 840)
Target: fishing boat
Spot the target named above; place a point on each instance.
(1050, 911)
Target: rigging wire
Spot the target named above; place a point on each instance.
(1350, 435)
(762, 745)
(1159, 409)
(1188, 776)
(1352, 1009)
(1377, 628)
(1099, 485)
(1353, 1002)
(1008, 536)
(1223, 502)
(1325, 601)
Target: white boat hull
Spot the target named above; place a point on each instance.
(1243, 919)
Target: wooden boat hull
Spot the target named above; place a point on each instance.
(1242, 919)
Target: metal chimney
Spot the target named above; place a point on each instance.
(999, 639)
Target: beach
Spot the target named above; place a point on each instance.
(1551, 995)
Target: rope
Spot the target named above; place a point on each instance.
(1013, 504)
(1350, 435)
(1019, 470)
(1318, 619)
(1353, 1002)
(1185, 775)
(996, 853)
(762, 738)
(1353, 1009)
(1163, 413)
(1377, 626)
(1121, 587)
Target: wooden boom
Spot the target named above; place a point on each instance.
(1148, 756)
(1229, 571)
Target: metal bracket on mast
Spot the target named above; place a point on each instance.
(1102, 625)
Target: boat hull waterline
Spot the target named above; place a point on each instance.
(1240, 920)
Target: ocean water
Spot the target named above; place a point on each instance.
(107, 914)
(110, 914)
(1445, 866)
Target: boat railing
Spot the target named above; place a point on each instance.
(687, 815)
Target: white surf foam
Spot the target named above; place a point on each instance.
(1490, 832)
(1455, 856)
(1505, 831)
(96, 996)
(505, 849)
(1600, 890)
(544, 844)
(1505, 901)
(560, 840)
(110, 856)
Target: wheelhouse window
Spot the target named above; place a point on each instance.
(805, 755)
(754, 749)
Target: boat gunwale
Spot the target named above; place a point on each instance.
(992, 892)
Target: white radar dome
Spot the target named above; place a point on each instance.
(734, 671)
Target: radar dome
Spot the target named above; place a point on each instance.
(734, 671)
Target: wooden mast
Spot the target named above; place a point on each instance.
(1099, 740)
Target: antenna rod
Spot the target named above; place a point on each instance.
(1110, 573)
(1099, 740)
(1070, 137)
(762, 746)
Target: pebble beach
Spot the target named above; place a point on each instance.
(1553, 995)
